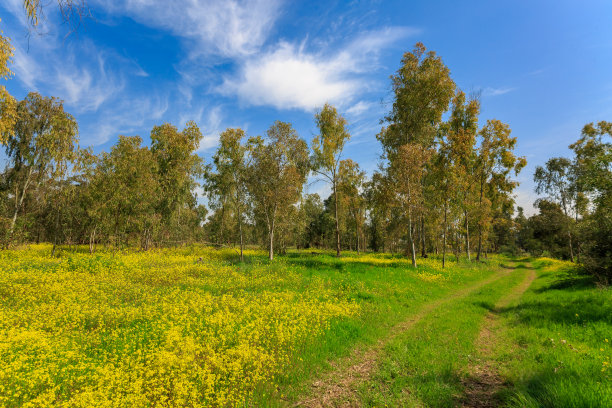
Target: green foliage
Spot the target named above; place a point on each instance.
(276, 175)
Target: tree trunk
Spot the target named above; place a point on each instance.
(55, 232)
(457, 245)
(467, 236)
(481, 219)
(337, 223)
(271, 233)
(423, 250)
(92, 238)
(411, 237)
(444, 239)
(271, 253)
(241, 239)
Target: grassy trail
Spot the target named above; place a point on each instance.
(340, 386)
(484, 382)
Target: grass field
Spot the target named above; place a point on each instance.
(194, 327)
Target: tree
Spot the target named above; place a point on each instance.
(327, 150)
(495, 160)
(422, 89)
(555, 179)
(351, 180)
(39, 146)
(128, 187)
(229, 181)
(445, 185)
(276, 174)
(461, 134)
(310, 221)
(406, 171)
(593, 170)
(178, 168)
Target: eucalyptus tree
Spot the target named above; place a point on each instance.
(276, 174)
(422, 89)
(126, 181)
(351, 181)
(461, 135)
(445, 191)
(229, 182)
(327, 149)
(593, 168)
(39, 147)
(555, 179)
(178, 168)
(495, 160)
(407, 171)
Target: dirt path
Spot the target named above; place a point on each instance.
(338, 388)
(484, 382)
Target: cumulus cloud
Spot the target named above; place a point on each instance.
(289, 77)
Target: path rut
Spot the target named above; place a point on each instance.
(484, 382)
(338, 388)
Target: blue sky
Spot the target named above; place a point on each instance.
(543, 67)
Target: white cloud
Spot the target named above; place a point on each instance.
(228, 28)
(288, 77)
(25, 67)
(359, 108)
(126, 117)
(84, 89)
(488, 91)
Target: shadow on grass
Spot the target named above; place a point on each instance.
(551, 387)
(570, 283)
(576, 311)
(519, 266)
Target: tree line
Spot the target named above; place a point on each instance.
(444, 183)
(575, 216)
(440, 184)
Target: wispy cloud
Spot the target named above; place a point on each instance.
(127, 117)
(359, 108)
(87, 88)
(488, 91)
(228, 28)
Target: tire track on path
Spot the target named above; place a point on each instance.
(484, 382)
(338, 388)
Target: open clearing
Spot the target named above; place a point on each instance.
(166, 328)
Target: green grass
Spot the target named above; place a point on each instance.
(557, 351)
(424, 365)
(552, 346)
